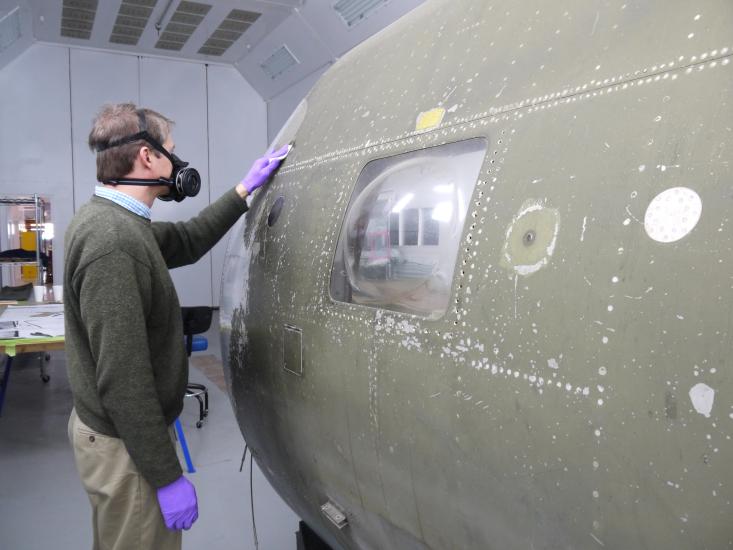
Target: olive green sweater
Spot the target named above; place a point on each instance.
(125, 350)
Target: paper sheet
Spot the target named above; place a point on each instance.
(37, 321)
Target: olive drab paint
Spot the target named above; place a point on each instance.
(574, 389)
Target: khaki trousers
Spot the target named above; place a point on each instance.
(125, 510)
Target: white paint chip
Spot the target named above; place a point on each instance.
(673, 214)
(702, 397)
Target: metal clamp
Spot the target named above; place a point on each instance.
(334, 515)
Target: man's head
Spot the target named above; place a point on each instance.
(117, 121)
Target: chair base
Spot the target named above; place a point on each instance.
(201, 394)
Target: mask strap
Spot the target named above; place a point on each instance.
(141, 135)
(141, 120)
(138, 181)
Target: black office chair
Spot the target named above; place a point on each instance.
(197, 320)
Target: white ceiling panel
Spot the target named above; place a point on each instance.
(16, 32)
(338, 37)
(317, 35)
(47, 17)
(227, 32)
(301, 41)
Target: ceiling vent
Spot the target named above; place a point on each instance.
(9, 29)
(279, 62)
(183, 23)
(77, 18)
(353, 12)
(230, 30)
(131, 21)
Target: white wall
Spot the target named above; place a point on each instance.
(237, 138)
(95, 78)
(35, 134)
(280, 107)
(49, 95)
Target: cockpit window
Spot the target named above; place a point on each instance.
(400, 237)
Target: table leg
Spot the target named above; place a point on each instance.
(6, 379)
(43, 357)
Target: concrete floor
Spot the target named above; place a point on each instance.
(43, 505)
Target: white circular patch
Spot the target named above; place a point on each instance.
(673, 214)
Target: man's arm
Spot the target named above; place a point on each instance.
(184, 243)
(113, 292)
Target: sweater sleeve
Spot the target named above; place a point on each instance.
(183, 243)
(113, 309)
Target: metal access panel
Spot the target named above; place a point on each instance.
(293, 349)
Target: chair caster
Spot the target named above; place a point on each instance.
(45, 378)
(199, 424)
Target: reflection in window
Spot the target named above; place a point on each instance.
(400, 237)
(430, 227)
(394, 229)
(410, 225)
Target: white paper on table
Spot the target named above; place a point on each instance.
(37, 321)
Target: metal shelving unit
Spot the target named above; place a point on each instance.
(39, 219)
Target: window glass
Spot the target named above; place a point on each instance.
(410, 226)
(400, 237)
(394, 229)
(430, 227)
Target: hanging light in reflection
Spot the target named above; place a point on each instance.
(461, 206)
(404, 201)
(47, 234)
(443, 212)
(444, 189)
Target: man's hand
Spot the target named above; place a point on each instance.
(262, 169)
(178, 504)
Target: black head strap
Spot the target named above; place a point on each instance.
(141, 135)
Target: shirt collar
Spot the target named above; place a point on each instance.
(124, 200)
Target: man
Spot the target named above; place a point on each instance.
(126, 357)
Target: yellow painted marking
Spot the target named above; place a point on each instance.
(428, 120)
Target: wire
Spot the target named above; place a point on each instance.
(244, 457)
(252, 501)
(251, 492)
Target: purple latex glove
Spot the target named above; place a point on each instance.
(263, 168)
(178, 504)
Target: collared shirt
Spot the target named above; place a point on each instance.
(124, 200)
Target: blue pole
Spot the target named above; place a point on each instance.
(6, 379)
(184, 447)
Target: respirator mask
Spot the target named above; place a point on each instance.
(183, 181)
